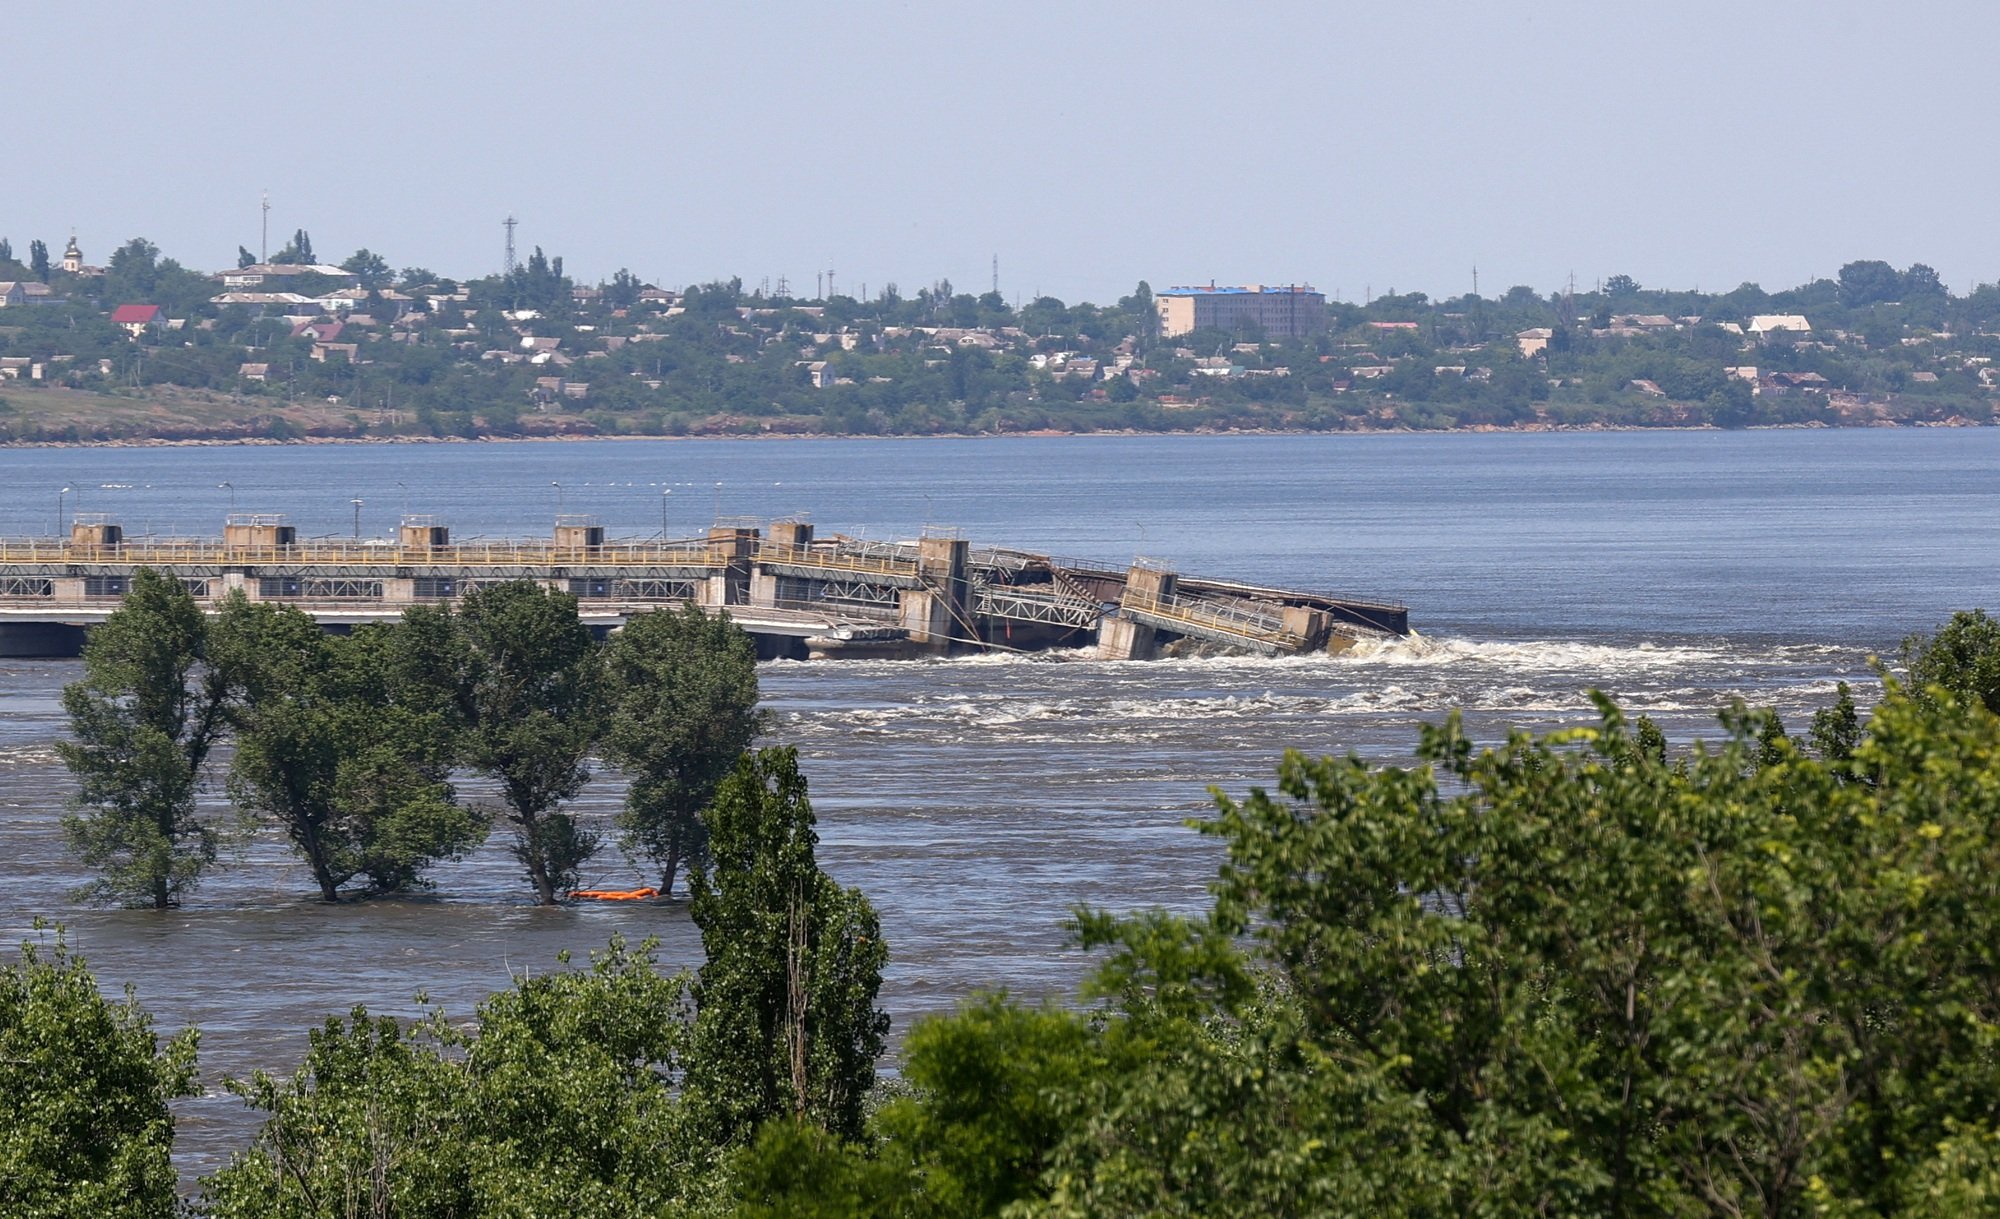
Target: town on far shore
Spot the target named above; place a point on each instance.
(288, 346)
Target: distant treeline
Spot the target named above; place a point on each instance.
(534, 353)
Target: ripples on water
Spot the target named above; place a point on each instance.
(976, 801)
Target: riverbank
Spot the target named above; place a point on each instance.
(178, 442)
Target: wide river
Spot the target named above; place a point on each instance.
(978, 800)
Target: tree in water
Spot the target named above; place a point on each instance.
(532, 681)
(1962, 657)
(683, 708)
(335, 745)
(787, 1024)
(149, 708)
(84, 1088)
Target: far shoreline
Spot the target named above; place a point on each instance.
(1035, 434)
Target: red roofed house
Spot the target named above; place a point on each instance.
(137, 319)
(318, 332)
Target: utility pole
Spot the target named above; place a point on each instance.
(509, 223)
(996, 275)
(829, 283)
(264, 239)
(1475, 279)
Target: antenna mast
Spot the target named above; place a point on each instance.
(996, 275)
(509, 224)
(264, 240)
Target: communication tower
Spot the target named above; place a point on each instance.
(508, 224)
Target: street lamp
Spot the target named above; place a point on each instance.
(231, 488)
(60, 521)
(406, 498)
(664, 493)
(718, 501)
(559, 497)
(357, 518)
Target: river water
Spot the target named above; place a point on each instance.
(978, 800)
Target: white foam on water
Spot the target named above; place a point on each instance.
(29, 755)
(1532, 656)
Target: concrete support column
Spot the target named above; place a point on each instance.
(1123, 639)
(944, 605)
(1309, 625)
(926, 615)
(68, 590)
(234, 582)
(712, 592)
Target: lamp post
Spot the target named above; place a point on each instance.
(559, 497)
(60, 519)
(406, 498)
(357, 518)
(231, 488)
(664, 493)
(718, 501)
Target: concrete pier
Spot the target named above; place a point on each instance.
(799, 594)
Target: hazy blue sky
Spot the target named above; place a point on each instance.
(1088, 146)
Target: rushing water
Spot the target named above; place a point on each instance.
(977, 800)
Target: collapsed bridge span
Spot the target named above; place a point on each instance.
(799, 594)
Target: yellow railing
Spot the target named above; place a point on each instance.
(208, 553)
(1215, 616)
(874, 563)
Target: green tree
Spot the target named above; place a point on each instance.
(84, 1089)
(1962, 657)
(371, 269)
(244, 258)
(340, 749)
(296, 252)
(143, 719)
(682, 698)
(787, 1024)
(38, 259)
(1869, 281)
(623, 290)
(533, 680)
(561, 1103)
(1562, 975)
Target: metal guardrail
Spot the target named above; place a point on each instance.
(1232, 619)
(1035, 603)
(886, 560)
(210, 553)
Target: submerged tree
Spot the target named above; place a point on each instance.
(84, 1088)
(787, 1023)
(344, 746)
(149, 709)
(532, 681)
(683, 708)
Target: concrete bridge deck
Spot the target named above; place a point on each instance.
(800, 595)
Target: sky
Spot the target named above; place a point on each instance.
(1358, 148)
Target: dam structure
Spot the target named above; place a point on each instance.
(799, 595)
